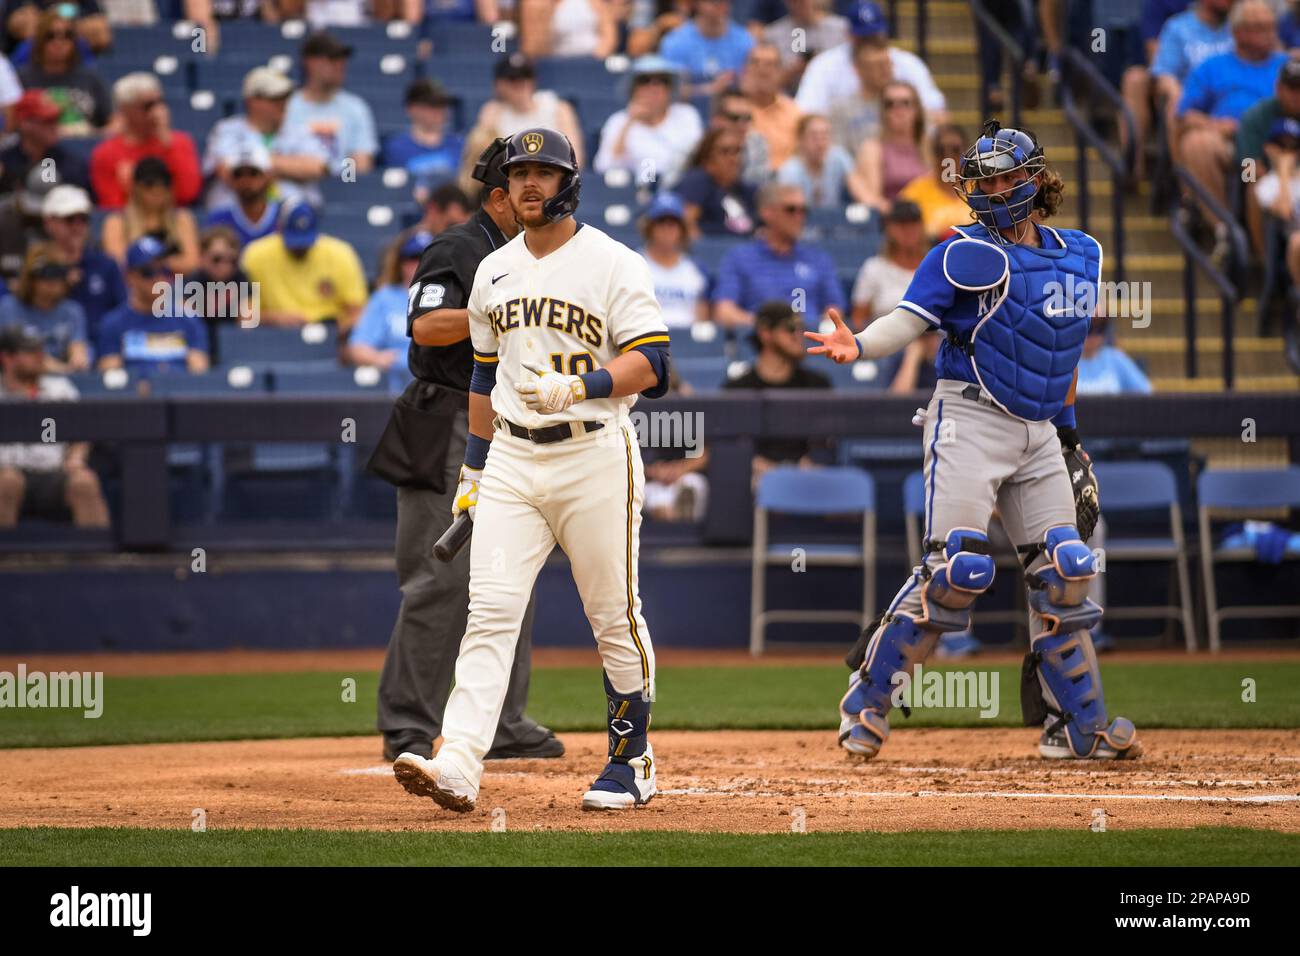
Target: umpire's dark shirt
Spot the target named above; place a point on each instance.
(444, 280)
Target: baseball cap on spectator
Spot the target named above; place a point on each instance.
(43, 266)
(40, 182)
(515, 67)
(1285, 132)
(666, 205)
(903, 210)
(425, 92)
(414, 246)
(151, 171)
(253, 156)
(868, 21)
(64, 201)
(298, 226)
(1290, 72)
(20, 338)
(36, 104)
(771, 315)
(144, 252)
(265, 83)
(323, 44)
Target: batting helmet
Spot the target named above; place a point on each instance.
(551, 148)
(488, 168)
(999, 151)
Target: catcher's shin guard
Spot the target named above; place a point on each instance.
(628, 779)
(901, 643)
(1071, 703)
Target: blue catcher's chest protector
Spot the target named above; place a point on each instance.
(1026, 347)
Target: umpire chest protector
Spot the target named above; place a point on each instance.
(1036, 306)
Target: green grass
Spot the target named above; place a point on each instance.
(128, 847)
(242, 706)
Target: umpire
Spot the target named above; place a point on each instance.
(421, 452)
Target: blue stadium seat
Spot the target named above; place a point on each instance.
(860, 376)
(261, 346)
(92, 385)
(220, 382)
(296, 380)
(702, 374)
(699, 341)
(457, 37)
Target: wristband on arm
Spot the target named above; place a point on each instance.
(597, 384)
(476, 450)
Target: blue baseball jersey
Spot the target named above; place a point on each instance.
(232, 217)
(151, 344)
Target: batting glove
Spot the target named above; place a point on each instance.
(466, 498)
(550, 392)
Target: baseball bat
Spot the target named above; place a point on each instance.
(454, 538)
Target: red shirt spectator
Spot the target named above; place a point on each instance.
(147, 132)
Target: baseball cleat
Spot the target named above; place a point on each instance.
(546, 748)
(622, 786)
(427, 778)
(1056, 746)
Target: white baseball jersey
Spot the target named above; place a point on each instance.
(574, 311)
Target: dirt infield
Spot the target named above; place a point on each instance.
(737, 781)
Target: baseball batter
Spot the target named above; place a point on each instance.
(1013, 297)
(566, 333)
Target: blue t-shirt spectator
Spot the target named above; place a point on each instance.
(1111, 372)
(344, 126)
(460, 11)
(1154, 15)
(150, 345)
(1226, 86)
(99, 289)
(232, 217)
(753, 273)
(703, 57)
(1186, 42)
(431, 165)
(60, 326)
(382, 326)
(723, 212)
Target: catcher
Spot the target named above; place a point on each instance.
(1015, 299)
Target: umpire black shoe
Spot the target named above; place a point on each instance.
(548, 746)
(395, 748)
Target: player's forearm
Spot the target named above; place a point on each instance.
(632, 374)
(481, 415)
(889, 333)
(441, 327)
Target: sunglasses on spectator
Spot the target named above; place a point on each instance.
(245, 171)
(738, 117)
(151, 271)
(76, 219)
(147, 105)
(221, 260)
(891, 103)
(795, 209)
(727, 151)
(59, 35)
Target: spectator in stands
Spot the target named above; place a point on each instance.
(1222, 88)
(22, 19)
(777, 265)
(56, 67)
(149, 335)
(884, 277)
(342, 121)
(1185, 41)
(517, 104)
(10, 89)
(1136, 85)
(934, 191)
(820, 30)
(652, 20)
(35, 140)
(567, 28)
(251, 213)
(856, 118)
(885, 165)
(710, 47)
(298, 157)
(732, 111)
(380, 338)
(778, 337)
(428, 149)
(822, 169)
(717, 200)
(776, 117)
(831, 76)
(305, 275)
(653, 136)
(95, 280)
(444, 11)
(1258, 129)
(150, 211)
(227, 295)
(47, 480)
(146, 131)
(447, 206)
(1105, 369)
(916, 369)
(40, 303)
(680, 285)
(20, 220)
(676, 484)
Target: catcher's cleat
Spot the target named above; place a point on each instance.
(428, 778)
(1055, 745)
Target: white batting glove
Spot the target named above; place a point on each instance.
(466, 497)
(550, 392)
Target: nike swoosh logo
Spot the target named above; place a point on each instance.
(976, 577)
(496, 279)
(1082, 560)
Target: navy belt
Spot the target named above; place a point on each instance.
(551, 433)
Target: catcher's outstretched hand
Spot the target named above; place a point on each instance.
(839, 345)
(550, 392)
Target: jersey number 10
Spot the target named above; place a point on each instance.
(577, 362)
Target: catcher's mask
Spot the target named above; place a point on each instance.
(996, 152)
(551, 148)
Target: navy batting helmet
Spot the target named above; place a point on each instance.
(551, 148)
(1000, 151)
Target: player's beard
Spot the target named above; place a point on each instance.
(530, 222)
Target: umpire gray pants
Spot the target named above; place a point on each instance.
(978, 456)
(421, 659)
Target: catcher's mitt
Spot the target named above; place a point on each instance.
(1087, 507)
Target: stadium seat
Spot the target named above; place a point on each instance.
(1245, 491)
(705, 374)
(1133, 486)
(865, 375)
(98, 385)
(295, 380)
(261, 346)
(703, 340)
(812, 492)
